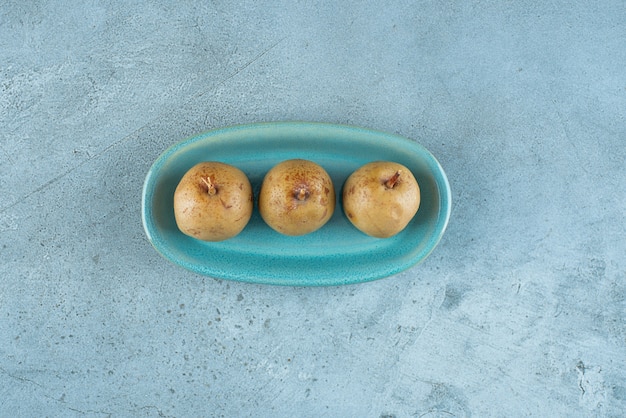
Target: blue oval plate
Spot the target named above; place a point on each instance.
(337, 253)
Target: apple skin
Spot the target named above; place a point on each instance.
(380, 198)
(297, 197)
(213, 201)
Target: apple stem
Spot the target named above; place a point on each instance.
(210, 186)
(393, 180)
(301, 195)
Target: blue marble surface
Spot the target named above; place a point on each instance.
(520, 310)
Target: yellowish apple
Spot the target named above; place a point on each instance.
(381, 198)
(213, 201)
(297, 197)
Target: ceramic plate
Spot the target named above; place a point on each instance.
(337, 253)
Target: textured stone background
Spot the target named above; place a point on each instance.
(519, 311)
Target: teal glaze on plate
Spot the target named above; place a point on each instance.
(337, 253)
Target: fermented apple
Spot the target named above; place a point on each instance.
(381, 198)
(213, 201)
(297, 197)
